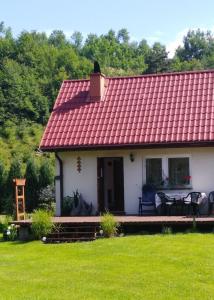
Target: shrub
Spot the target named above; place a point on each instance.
(10, 233)
(194, 228)
(67, 205)
(47, 198)
(109, 225)
(32, 131)
(70, 203)
(42, 224)
(76, 206)
(4, 222)
(9, 230)
(20, 132)
(166, 230)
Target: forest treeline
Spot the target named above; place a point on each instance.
(33, 65)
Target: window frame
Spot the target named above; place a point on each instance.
(165, 169)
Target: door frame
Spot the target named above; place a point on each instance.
(101, 184)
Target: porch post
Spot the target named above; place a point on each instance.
(59, 186)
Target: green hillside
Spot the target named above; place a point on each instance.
(19, 141)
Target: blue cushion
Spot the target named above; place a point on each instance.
(149, 197)
(148, 208)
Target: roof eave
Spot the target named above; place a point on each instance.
(128, 146)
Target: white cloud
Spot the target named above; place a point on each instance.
(173, 45)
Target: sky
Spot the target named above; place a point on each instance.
(165, 21)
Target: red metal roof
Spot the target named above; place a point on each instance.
(171, 108)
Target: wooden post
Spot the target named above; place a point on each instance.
(20, 198)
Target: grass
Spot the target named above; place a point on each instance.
(137, 267)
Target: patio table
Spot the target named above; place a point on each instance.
(203, 200)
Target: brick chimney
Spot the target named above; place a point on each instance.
(97, 87)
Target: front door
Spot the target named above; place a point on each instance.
(110, 183)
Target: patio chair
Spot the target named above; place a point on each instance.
(147, 201)
(211, 202)
(166, 203)
(191, 201)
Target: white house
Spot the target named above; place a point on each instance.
(112, 135)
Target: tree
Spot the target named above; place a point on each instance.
(7, 43)
(177, 65)
(32, 184)
(208, 61)
(57, 39)
(5, 31)
(196, 45)
(2, 184)
(111, 35)
(21, 93)
(46, 174)
(123, 36)
(77, 39)
(157, 59)
(14, 172)
(143, 48)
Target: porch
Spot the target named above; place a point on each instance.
(129, 220)
(112, 180)
(87, 228)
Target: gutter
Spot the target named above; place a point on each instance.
(60, 178)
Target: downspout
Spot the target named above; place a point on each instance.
(60, 178)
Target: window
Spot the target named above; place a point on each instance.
(168, 172)
(154, 171)
(179, 171)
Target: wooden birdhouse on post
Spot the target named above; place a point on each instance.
(20, 198)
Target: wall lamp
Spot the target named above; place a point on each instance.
(131, 156)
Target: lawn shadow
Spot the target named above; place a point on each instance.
(15, 242)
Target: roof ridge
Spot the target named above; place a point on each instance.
(148, 75)
(69, 80)
(164, 74)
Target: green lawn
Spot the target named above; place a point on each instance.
(137, 267)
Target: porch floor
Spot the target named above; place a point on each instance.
(143, 220)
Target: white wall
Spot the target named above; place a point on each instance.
(201, 161)
(84, 181)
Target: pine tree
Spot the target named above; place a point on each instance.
(46, 174)
(32, 184)
(14, 172)
(2, 184)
